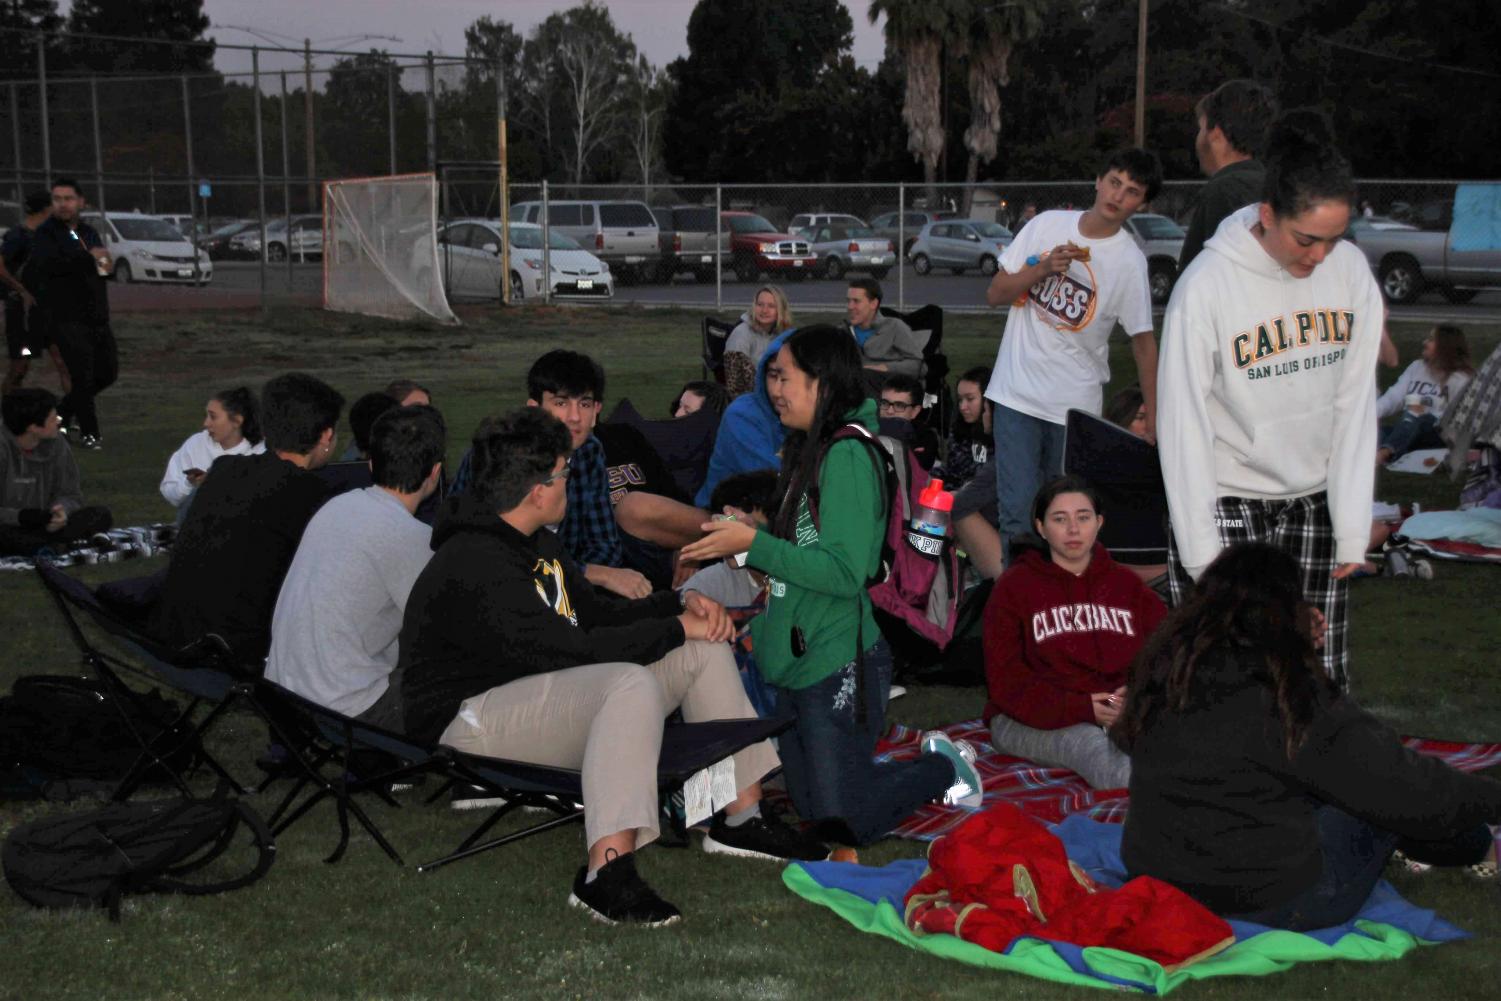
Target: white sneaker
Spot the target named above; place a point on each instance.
(896, 692)
(968, 789)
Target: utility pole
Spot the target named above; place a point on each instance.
(504, 184)
(307, 84)
(41, 79)
(1141, 73)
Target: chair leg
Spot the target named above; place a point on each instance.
(468, 852)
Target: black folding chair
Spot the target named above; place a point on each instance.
(935, 363)
(1126, 471)
(715, 333)
(194, 672)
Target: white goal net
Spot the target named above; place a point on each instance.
(380, 254)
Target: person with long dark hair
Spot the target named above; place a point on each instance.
(970, 439)
(1061, 627)
(1423, 392)
(1267, 404)
(1256, 786)
(817, 642)
(231, 426)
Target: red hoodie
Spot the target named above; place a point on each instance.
(1053, 639)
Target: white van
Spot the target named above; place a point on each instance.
(623, 234)
(149, 249)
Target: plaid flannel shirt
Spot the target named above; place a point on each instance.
(588, 529)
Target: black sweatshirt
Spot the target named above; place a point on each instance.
(494, 606)
(67, 281)
(1219, 811)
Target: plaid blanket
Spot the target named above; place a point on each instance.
(1050, 794)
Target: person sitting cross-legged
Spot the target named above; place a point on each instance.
(334, 632)
(41, 504)
(506, 651)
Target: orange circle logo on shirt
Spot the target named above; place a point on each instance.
(1067, 301)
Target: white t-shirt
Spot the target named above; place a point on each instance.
(1055, 354)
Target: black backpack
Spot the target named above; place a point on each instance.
(94, 858)
(62, 735)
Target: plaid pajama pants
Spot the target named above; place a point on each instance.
(1301, 528)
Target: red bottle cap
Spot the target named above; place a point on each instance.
(934, 496)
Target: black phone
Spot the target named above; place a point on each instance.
(799, 642)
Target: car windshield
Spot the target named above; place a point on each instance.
(1158, 227)
(531, 239)
(992, 230)
(157, 230)
(231, 228)
(750, 224)
(860, 232)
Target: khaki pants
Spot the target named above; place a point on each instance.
(606, 721)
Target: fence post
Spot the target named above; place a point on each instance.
(901, 246)
(432, 116)
(391, 110)
(151, 188)
(187, 131)
(15, 142)
(41, 79)
(286, 186)
(260, 165)
(503, 183)
(98, 149)
(719, 247)
(546, 247)
(307, 118)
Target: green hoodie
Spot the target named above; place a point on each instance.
(818, 581)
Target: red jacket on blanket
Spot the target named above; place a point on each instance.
(1053, 639)
(1001, 875)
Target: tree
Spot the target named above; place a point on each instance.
(991, 34)
(646, 100)
(354, 137)
(918, 30)
(161, 20)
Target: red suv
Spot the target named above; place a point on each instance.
(756, 246)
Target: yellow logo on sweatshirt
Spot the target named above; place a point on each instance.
(553, 590)
(1310, 328)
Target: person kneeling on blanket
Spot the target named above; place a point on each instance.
(1061, 627)
(1256, 786)
(508, 652)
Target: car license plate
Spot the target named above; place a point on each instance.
(705, 259)
(184, 272)
(797, 264)
(634, 260)
(585, 284)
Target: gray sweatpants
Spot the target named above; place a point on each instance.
(606, 721)
(1082, 748)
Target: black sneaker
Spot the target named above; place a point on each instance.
(764, 837)
(619, 896)
(92, 442)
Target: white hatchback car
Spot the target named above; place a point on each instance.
(469, 251)
(148, 249)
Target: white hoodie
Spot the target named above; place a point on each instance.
(1421, 380)
(198, 452)
(1266, 388)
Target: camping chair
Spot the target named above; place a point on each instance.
(683, 443)
(938, 399)
(194, 672)
(1126, 471)
(715, 333)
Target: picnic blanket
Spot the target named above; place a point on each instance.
(105, 547)
(1050, 794)
(871, 899)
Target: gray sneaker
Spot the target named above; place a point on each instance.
(968, 789)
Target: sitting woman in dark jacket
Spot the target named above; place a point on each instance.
(1256, 786)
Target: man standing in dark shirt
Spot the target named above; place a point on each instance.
(246, 522)
(70, 262)
(1233, 119)
(25, 324)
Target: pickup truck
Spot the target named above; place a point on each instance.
(756, 247)
(689, 241)
(1408, 260)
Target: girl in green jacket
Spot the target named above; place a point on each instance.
(817, 642)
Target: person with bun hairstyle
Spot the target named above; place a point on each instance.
(1257, 787)
(231, 426)
(1267, 405)
(817, 642)
(1061, 627)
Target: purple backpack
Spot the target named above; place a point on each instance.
(917, 583)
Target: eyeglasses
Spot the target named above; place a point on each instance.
(894, 407)
(561, 474)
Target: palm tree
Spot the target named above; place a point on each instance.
(919, 29)
(990, 31)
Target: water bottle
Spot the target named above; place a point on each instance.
(933, 507)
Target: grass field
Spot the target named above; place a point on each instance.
(496, 926)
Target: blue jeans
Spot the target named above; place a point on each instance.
(1028, 453)
(828, 756)
(1412, 433)
(1355, 855)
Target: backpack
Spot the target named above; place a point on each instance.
(915, 589)
(94, 858)
(63, 735)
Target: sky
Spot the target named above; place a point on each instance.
(659, 27)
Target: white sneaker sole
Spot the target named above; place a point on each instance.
(574, 901)
(713, 847)
(477, 803)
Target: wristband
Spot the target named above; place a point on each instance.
(1033, 261)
